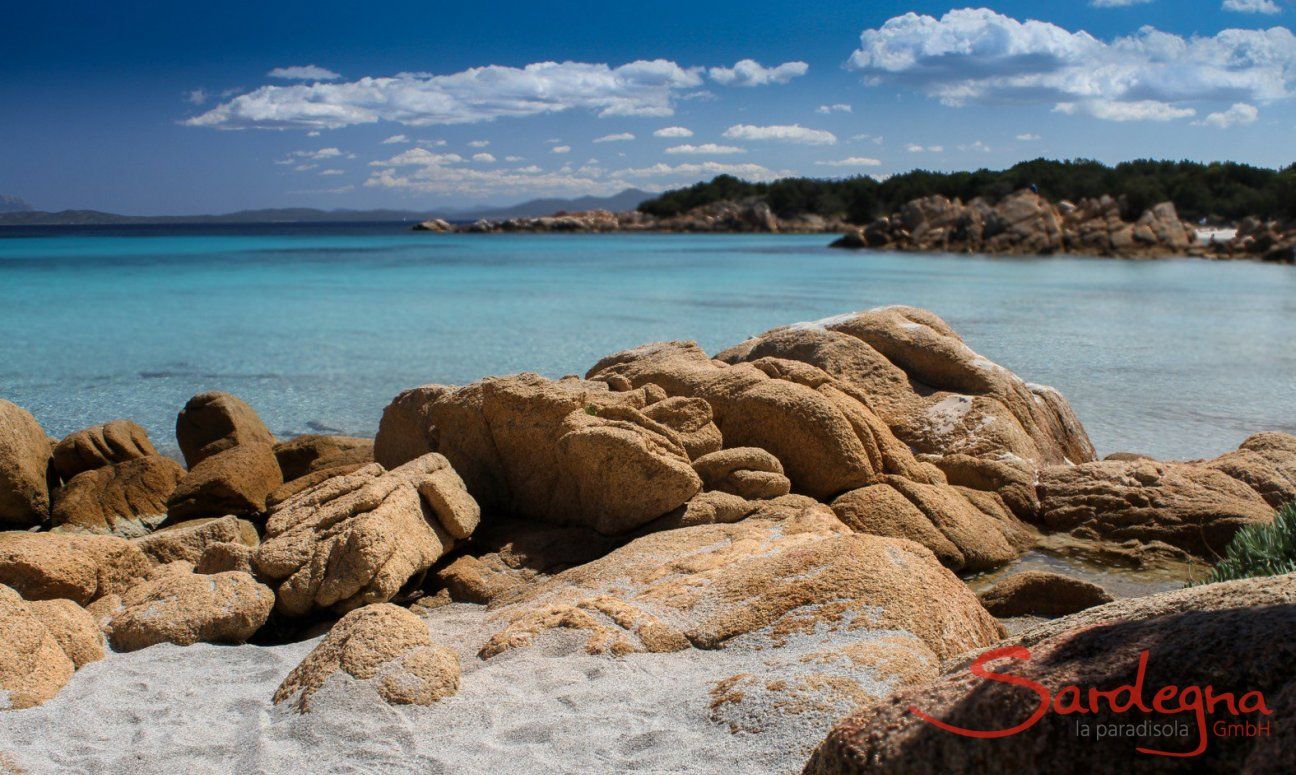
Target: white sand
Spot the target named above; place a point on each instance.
(547, 708)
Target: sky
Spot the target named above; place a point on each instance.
(174, 107)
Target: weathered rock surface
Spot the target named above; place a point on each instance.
(566, 451)
(1041, 593)
(749, 215)
(1191, 506)
(73, 628)
(932, 391)
(125, 498)
(102, 445)
(214, 422)
(1267, 463)
(175, 606)
(1012, 479)
(33, 666)
(24, 468)
(748, 472)
(237, 480)
(356, 539)
(81, 568)
(189, 540)
(770, 579)
(303, 455)
(221, 557)
(383, 645)
(1232, 637)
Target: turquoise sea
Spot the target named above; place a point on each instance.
(319, 326)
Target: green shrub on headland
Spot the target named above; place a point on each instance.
(1259, 550)
(1224, 191)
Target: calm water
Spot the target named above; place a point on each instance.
(319, 327)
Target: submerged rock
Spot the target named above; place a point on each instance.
(1041, 593)
(383, 645)
(24, 468)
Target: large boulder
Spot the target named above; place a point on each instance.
(826, 441)
(235, 481)
(748, 472)
(566, 451)
(214, 422)
(935, 393)
(384, 646)
(102, 445)
(1233, 637)
(304, 454)
(189, 541)
(33, 666)
(72, 626)
(356, 539)
(1042, 593)
(1194, 507)
(81, 568)
(176, 606)
(24, 468)
(968, 530)
(1267, 463)
(126, 498)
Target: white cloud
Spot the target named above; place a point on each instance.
(303, 73)
(705, 148)
(1029, 137)
(839, 107)
(322, 153)
(643, 88)
(338, 190)
(852, 161)
(915, 148)
(484, 157)
(420, 157)
(702, 169)
(749, 72)
(512, 158)
(875, 139)
(1252, 6)
(560, 149)
(332, 172)
(673, 131)
(794, 133)
(478, 143)
(978, 55)
(1240, 114)
(1117, 3)
(396, 140)
(975, 146)
(430, 143)
(313, 133)
(618, 138)
(197, 96)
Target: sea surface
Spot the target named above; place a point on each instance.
(319, 326)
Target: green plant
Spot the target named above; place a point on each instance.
(1259, 550)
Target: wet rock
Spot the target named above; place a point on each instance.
(303, 455)
(102, 445)
(81, 568)
(214, 422)
(187, 608)
(383, 645)
(1040, 593)
(356, 539)
(748, 472)
(237, 480)
(1193, 507)
(1231, 637)
(126, 498)
(188, 541)
(24, 468)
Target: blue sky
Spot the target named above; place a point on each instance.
(177, 107)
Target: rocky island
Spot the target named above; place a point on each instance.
(758, 559)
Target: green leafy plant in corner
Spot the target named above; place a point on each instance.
(1259, 550)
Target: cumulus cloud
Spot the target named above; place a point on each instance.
(332, 172)
(396, 140)
(1240, 114)
(643, 88)
(673, 131)
(561, 149)
(852, 161)
(980, 56)
(617, 138)
(511, 159)
(418, 157)
(916, 148)
(701, 169)
(793, 133)
(483, 157)
(317, 155)
(839, 107)
(303, 73)
(1252, 6)
(705, 148)
(749, 72)
(478, 143)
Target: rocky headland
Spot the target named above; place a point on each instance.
(682, 561)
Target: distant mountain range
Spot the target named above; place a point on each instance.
(16, 212)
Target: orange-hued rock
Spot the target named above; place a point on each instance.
(302, 455)
(73, 628)
(383, 645)
(189, 540)
(184, 608)
(1266, 462)
(33, 666)
(748, 472)
(214, 422)
(1041, 593)
(356, 539)
(235, 481)
(126, 498)
(81, 568)
(24, 468)
(101, 445)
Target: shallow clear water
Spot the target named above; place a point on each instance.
(318, 327)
